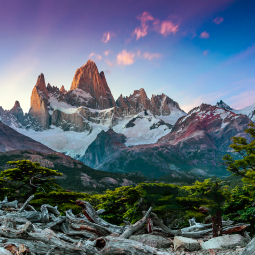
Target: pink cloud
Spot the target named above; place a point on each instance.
(108, 62)
(168, 27)
(204, 35)
(95, 56)
(205, 52)
(107, 37)
(165, 27)
(107, 52)
(142, 31)
(150, 56)
(218, 20)
(126, 58)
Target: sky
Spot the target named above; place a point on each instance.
(194, 51)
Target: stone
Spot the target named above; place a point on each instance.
(185, 243)
(4, 251)
(40, 102)
(225, 242)
(152, 240)
(62, 89)
(89, 80)
(250, 248)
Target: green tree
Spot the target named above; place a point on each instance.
(213, 195)
(26, 178)
(245, 166)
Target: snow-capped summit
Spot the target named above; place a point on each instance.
(223, 105)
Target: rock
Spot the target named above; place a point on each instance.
(225, 242)
(250, 248)
(104, 146)
(88, 80)
(40, 102)
(152, 240)
(4, 251)
(62, 89)
(186, 243)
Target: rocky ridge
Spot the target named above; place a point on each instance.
(159, 136)
(195, 145)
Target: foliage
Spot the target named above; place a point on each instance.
(65, 200)
(212, 193)
(240, 206)
(245, 166)
(27, 177)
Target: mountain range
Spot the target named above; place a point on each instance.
(132, 134)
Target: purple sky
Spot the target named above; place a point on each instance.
(193, 51)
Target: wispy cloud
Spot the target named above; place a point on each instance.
(205, 52)
(95, 56)
(107, 36)
(108, 62)
(150, 56)
(107, 52)
(218, 20)
(142, 30)
(165, 27)
(243, 99)
(204, 35)
(128, 58)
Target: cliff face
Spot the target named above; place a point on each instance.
(160, 105)
(107, 144)
(39, 102)
(89, 80)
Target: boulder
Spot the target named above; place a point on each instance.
(250, 248)
(4, 251)
(151, 240)
(186, 243)
(225, 242)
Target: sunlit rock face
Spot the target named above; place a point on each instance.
(89, 80)
(40, 102)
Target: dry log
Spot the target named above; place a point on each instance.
(158, 222)
(90, 213)
(237, 228)
(112, 245)
(26, 204)
(139, 224)
(102, 231)
(8, 229)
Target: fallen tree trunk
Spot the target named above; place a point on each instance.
(139, 224)
(112, 245)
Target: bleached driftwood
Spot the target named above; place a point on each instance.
(86, 233)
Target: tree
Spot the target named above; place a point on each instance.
(245, 166)
(27, 177)
(213, 194)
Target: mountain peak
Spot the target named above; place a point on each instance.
(88, 79)
(223, 105)
(41, 85)
(62, 89)
(16, 105)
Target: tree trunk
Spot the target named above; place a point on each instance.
(217, 224)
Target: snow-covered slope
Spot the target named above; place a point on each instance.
(249, 111)
(144, 129)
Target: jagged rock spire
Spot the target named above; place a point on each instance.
(88, 79)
